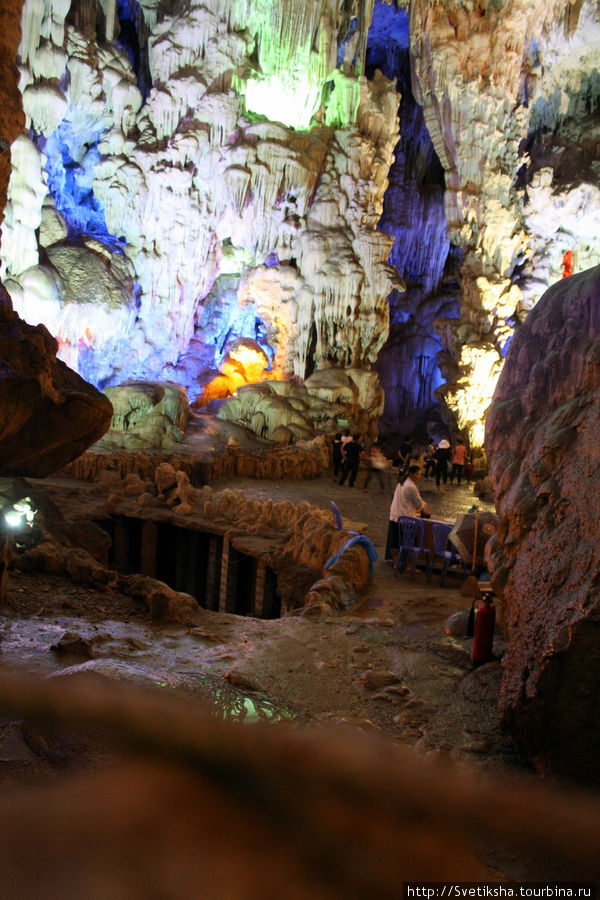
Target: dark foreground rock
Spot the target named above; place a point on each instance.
(48, 414)
(542, 441)
(203, 808)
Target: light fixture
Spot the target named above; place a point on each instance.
(20, 514)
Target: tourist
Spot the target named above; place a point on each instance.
(336, 454)
(404, 456)
(429, 460)
(407, 501)
(351, 451)
(469, 468)
(377, 464)
(442, 458)
(458, 461)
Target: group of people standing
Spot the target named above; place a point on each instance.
(437, 460)
(347, 452)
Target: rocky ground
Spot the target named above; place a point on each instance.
(389, 666)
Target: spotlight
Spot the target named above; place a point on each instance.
(18, 521)
(20, 514)
(13, 519)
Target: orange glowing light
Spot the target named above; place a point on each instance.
(245, 363)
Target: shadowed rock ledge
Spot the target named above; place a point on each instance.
(48, 414)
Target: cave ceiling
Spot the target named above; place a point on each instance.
(340, 184)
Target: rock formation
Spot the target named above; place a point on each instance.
(277, 410)
(329, 811)
(208, 222)
(48, 414)
(154, 413)
(495, 79)
(12, 119)
(211, 173)
(542, 442)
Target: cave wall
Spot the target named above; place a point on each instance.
(413, 214)
(542, 443)
(497, 82)
(12, 120)
(164, 221)
(341, 185)
(48, 414)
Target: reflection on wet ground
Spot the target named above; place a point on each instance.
(136, 654)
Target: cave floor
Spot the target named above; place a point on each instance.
(387, 666)
(318, 669)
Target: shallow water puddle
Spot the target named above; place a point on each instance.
(138, 654)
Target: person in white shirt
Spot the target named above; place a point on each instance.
(407, 501)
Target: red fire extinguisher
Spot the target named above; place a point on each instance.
(484, 630)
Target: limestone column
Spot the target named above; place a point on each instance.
(468, 62)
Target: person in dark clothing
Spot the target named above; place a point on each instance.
(351, 452)
(336, 452)
(442, 458)
(469, 468)
(405, 454)
(429, 460)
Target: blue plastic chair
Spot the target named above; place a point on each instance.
(337, 519)
(411, 542)
(444, 551)
(337, 516)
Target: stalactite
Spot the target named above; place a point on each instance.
(172, 183)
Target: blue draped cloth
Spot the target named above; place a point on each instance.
(357, 539)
